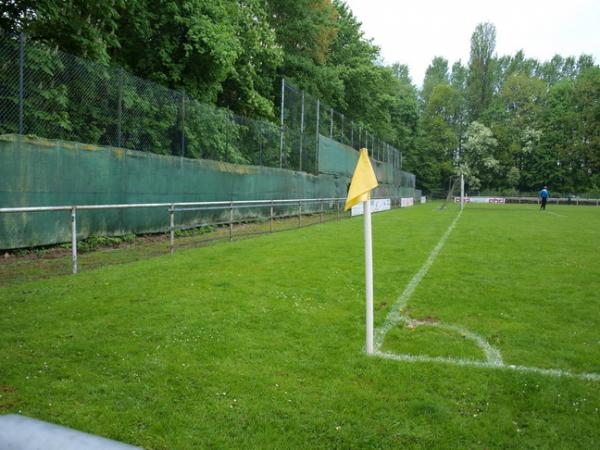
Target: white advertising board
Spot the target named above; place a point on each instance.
(406, 201)
(423, 199)
(496, 200)
(377, 204)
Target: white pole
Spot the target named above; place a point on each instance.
(462, 191)
(369, 276)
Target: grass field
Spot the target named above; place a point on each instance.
(258, 343)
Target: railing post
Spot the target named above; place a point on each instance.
(172, 229)
(321, 216)
(231, 221)
(21, 83)
(271, 218)
(299, 213)
(338, 210)
(74, 238)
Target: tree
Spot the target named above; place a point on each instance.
(436, 73)
(477, 161)
(480, 82)
(440, 143)
(305, 30)
(80, 27)
(586, 152)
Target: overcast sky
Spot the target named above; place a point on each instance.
(413, 32)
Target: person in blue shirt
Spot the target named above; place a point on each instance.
(544, 194)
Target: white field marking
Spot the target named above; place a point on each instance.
(555, 214)
(494, 359)
(488, 365)
(492, 354)
(395, 315)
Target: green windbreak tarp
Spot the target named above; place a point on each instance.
(39, 172)
(339, 160)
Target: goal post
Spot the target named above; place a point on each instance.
(462, 191)
(453, 185)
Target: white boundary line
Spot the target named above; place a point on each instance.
(492, 354)
(487, 365)
(555, 214)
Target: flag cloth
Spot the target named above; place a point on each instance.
(363, 181)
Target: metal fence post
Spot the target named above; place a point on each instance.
(331, 123)
(227, 137)
(120, 109)
(271, 218)
(231, 221)
(182, 144)
(21, 83)
(338, 210)
(317, 137)
(301, 131)
(74, 238)
(281, 135)
(172, 229)
(260, 144)
(299, 213)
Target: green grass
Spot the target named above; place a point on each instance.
(258, 343)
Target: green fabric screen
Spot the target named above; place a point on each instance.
(40, 172)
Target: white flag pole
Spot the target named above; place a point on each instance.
(368, 275)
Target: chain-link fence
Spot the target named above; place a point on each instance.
(51, 94)
(310, 116)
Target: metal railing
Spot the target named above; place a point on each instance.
(575, 201)
(557, 200)
(291, 208)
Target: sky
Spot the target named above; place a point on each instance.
(414, 32)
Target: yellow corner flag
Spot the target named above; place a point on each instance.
(363, 181)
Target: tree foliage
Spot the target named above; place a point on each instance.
(511, 122)
(542, 115)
